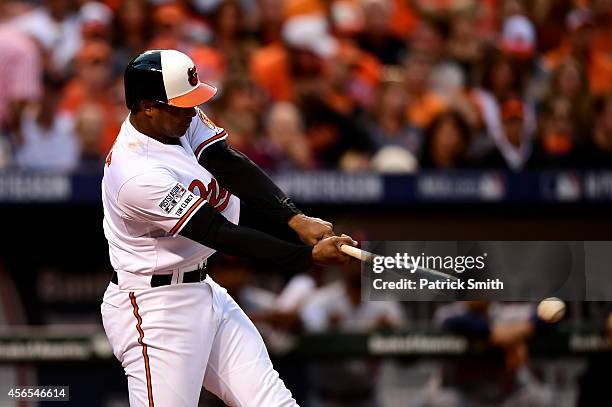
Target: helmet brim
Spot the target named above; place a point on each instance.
(195, 97)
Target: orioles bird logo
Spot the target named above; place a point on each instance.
(192, 76)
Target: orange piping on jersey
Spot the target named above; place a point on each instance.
(185, 216)
(210, 140)
(144, 348)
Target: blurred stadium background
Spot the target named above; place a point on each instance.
(395, 119)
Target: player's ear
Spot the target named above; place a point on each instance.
(146, 106)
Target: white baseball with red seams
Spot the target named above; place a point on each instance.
(551, 309)
(174, 339)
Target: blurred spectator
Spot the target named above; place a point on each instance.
(90, 123)
(602, 20)
(93, 84)
(446, 142)
(404, 18)
(598, 150)
(501, 83)
(96, 21)
(56, 26)
(546, 15)
(498, 375)
(238, 110)
(512, 138)
(269, 21)
(569, 81)
(347, 17)
(338, 307)
(20, 76)
(557, 144)
(48, 140)
(518, 43)
(229, 37)
(334, 137)
(377, 38)
(518, 37)
(465, 44)
(500, 77)
(132, 31)
(423, 104)
(429, 38)
(388, 125)
(295, 66)
(579, 44)
(284, 146)
(176, 28)
(351, 78)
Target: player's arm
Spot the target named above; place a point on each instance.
(156, 198)
(208, 227)
(252, 185)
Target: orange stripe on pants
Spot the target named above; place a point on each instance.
(144, 348)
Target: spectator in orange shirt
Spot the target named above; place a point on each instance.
(294, 66)
(93, 84)
(423, 104)
(581, 46)
(602, 19)
(351, 79)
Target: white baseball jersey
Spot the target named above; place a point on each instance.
(150, 190)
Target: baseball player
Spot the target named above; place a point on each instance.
(170, 194)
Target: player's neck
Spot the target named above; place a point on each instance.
(145, 127)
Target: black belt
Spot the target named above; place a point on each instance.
(158, 280)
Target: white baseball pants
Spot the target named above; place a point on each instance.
(174, 339)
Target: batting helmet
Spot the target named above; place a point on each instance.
(165, 76)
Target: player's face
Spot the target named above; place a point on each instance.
(172, 121)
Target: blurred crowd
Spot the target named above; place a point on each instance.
(355, 85)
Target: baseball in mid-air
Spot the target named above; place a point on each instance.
(551, 309)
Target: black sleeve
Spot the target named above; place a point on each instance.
(208, 227)
(248, 182)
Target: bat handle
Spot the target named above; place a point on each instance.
(355, 252)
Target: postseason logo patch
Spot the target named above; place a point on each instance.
(173, 197)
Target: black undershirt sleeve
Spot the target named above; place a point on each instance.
(208, 227)
(247, 181)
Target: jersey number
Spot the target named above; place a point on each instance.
(218, 197)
